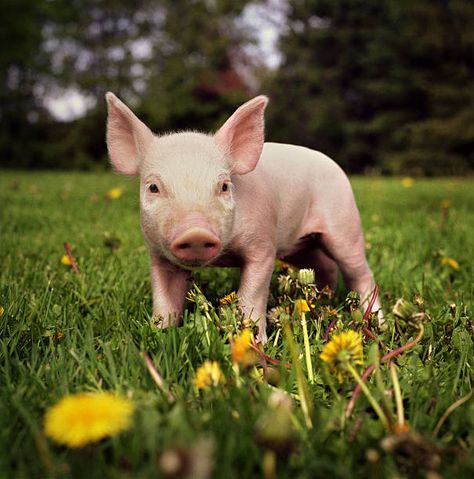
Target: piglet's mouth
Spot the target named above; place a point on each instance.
(195, 247)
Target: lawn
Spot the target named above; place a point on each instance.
(64, 332)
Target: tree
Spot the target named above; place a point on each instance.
(197, 79)
(21, 63)
(175, 62)
(379, 84)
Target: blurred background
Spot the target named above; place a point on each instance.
(382, 86)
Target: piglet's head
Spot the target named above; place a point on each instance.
(187, 199)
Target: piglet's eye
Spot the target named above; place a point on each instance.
(225, 187)
(154, 188)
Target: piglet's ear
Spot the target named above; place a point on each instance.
(242, 135)
(128, 138)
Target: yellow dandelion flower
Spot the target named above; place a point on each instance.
(79, 419)
(445, 204)
(209, 374)
(2, 310)
(452, 263)
(407, 182)
(229, 298)
(302, 306)
(242, 353)
(343, 348)
(65, 260)
(114, 193)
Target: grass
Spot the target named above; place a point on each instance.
(64, 333)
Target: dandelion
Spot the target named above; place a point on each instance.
(196, 461)
(341, 354)
(242, 352)
(2, 311)
(66, 260)
(285, 283)
(445, 204)
(410, 313)
(79, 419)
(344, 348)
(452, 263)
(301, 305)
(275, 430)
(229, 298)
(114, 193)
(352, 300)
(209, 374)
(306, 277)
(407, 182)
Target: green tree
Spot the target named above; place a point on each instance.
(177, 63)
(198, 77)
(21, 64)
(385, 84)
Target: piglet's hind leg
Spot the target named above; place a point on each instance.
(350, 257)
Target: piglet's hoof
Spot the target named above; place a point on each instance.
(262, 336)
(161, 322)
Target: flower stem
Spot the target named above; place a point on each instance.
(156, 376)
(305, 398)
(67, 247)
(277, 337)
(307, 351)
(370, 369)
(398, 394)
(450, 409)
(205, 319)
(269, 464)
(371, 305)
(386, 403)
(238, 379)
(331, 325)
(365, 390)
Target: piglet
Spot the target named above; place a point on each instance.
(229, 199)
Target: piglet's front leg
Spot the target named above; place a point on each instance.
(170, 285)
(254, 288)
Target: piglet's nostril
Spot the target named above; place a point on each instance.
(196, 244)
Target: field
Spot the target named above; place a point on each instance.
(64, 332)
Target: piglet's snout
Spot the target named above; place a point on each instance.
(195, 244)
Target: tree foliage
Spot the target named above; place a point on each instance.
(174, 61)
(383, 85)
(379, 84)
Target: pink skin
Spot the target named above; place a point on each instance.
(231, 200)
(195, 242)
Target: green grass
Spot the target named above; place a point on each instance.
(64, 333)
